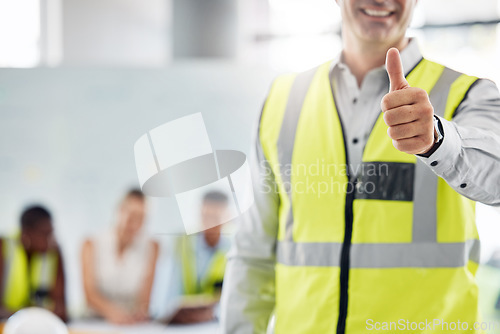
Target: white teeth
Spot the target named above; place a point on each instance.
(377, 13)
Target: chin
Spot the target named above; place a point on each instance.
(376, 35)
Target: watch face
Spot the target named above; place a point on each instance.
(438, 135)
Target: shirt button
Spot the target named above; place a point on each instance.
(354, 101)
(434, 163)
(463, 185)
(355, 140)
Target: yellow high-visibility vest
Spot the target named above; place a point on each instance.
(213, 275)
(396, 246)
(23, 280)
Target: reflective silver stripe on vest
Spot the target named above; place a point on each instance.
(386, 255)
(439, 94)
(415, 254)
(425, 182)
(45, 278)
(286, 138)
(314, 254)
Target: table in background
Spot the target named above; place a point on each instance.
(101, 327)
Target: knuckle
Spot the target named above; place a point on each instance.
(425, 112)
(388, 118)
(400, 145)
(421, 94)
(389, 132)
(384, 104)
(395, 132)
(428, 109)
(396, 144)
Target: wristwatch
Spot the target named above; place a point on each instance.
(438, 137)
(438, 131)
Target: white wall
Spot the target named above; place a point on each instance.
(116, 32)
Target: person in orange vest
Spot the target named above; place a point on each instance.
(31, 267)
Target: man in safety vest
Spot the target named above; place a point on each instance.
(31, 267)
(365, 178)
(202, 259)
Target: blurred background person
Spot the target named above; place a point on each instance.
(200, 263)
(31, 267)
(118, 265)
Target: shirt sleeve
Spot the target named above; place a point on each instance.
(468, 159)
(248, 295)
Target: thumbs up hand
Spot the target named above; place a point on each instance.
(407, 111)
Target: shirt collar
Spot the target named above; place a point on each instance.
(410, 57)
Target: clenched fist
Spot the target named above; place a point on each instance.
(407, 111)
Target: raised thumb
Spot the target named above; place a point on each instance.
(395, 71)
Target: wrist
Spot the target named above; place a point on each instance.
(438, 138)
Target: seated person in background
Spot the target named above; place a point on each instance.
(31, 267)
(201, 261)
(118, 265)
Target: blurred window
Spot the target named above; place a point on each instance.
(19, 33)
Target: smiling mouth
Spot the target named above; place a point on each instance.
(377, 12)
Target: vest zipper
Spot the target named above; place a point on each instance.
(346, 245)
(345, 258)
